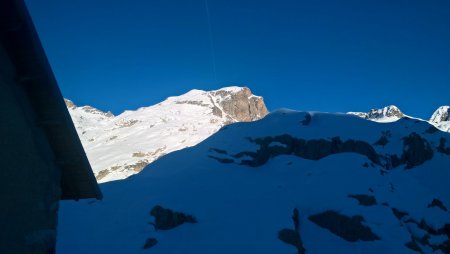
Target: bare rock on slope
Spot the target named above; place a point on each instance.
(242, 106)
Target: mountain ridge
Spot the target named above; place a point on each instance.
(440, 118)
(122, 145)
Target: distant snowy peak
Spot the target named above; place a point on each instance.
(387, 114)
(442, 114)
(441, 118)
(122, 145)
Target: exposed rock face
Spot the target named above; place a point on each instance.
(346, 227)
(166, 219)
(438, 203)
(242, 106)
(389, 111)
(150, 242)
(441, 148)
(292, 236)
(422, 234)
(314, 149)
(416, 151)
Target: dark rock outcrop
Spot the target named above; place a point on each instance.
(438, 203)
(364, 200)
(441, 148)
(292, 236)
(416, 150)
(399, 214)
(424, 237)
(307, 119)
(346, 227)
(150, 242)
(166, 219)
(314, 149)
(431, 130)
(384, 139)
(413, 246)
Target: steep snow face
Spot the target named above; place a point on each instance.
(441, 118)
(327, 183)
(120, 146)
(387, 114)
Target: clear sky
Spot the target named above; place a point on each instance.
(331, 56)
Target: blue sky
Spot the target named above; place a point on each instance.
(305, 55)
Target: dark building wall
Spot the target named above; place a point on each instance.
(29, 178)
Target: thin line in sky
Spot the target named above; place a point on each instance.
(211, 41)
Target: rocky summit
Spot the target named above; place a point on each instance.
(387, 114)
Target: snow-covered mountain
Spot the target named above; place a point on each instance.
(440, 117)
(290, 182)
(387, 114)
(120, 146)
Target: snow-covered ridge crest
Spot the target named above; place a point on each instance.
(122, 145)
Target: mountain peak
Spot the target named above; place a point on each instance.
(441, 114)
(389, 113)
(441, 118)
(135, 138)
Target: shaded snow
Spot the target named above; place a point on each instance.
(240, 209)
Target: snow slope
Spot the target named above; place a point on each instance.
(120, 146)
(358, 186)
